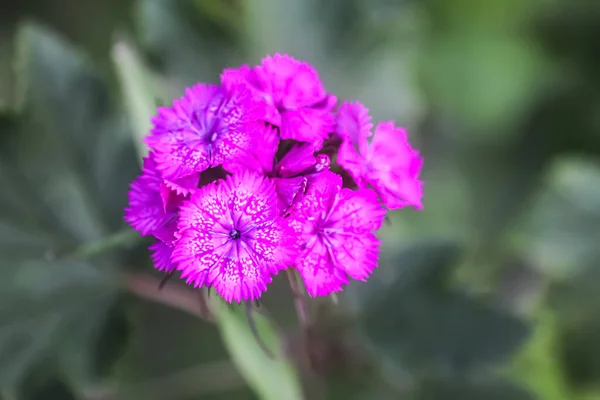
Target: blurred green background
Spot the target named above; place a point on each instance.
(491, 292)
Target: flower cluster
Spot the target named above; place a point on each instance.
(239, 183)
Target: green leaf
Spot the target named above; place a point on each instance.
(483, 51)
(68, 124)
(562, 229)
(471, 389)
(186, 44)
(54, 298)
(537, 365)
(421, 321)
(274, 379)
(138, 91)
(65, 164)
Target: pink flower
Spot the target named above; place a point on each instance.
(207, 127)
(388, 163)
(161, 256)
(232, 237)
(336, 227)
(295, 97)
(296, 169)
(153, 206)
(292, 173)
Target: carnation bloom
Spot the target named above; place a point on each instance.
(388, 162)
(207, 127)
(232, 237)
(336, 227)
(295, 98)
(153, 204)
(292, 173)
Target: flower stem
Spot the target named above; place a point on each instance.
(120, 239)
(175, 296)
(298, 297)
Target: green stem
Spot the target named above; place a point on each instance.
(118, 240)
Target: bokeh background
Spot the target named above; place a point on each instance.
(491, 292)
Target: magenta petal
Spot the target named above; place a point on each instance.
(210, 125)
(328, 104)
(306, 125)
(354, 124)
(395, 168)
(259, 88)
(292, 83)
(398, 191)
(298, 160)
(234, 76)
(232, 238)
(289, 190)
(262, 159)
(146, 212)
(320, 276)
(185, 185)
(349, 159)
(166, 233)
(336, 227)
(161, 256)
(165, 195)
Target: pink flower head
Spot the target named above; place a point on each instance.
(295, 170)
(153, 206)
(232, 237)
(336, 234)
(295, 97)
(388, 163)
(207, 127)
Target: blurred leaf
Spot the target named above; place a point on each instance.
(420, 321)
(428, 263)
(68, 124)
(537, 365)
(62, 161)
(8, 91)
(562, 230)
(503, 179)
(185, 361)
(274, 379)
(495, 77)
(481, 64)
(187, 45)
(138, 91)
(54, 299)
(471, 389)
(292, 29)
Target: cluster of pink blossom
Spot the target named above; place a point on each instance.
(239, 183)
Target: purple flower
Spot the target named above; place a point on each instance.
(152, 205)
(296, 169)
(232, 237)
(388, 162)
(161, 256)
(292, 173)
(336, 227)
(207, 127)
(295, 98)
